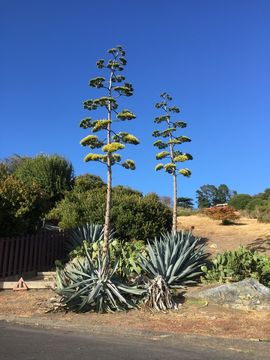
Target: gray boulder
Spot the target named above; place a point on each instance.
(246, 294)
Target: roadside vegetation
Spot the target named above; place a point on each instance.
(125, 248)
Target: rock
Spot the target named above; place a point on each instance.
(246, 294)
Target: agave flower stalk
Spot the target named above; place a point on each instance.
(114, 86)
(170, 140)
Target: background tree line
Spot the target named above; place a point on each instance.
(35, 190)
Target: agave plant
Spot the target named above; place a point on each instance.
(175, 260)
(84, 286)
(88, 232)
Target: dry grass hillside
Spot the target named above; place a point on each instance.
(246, 232)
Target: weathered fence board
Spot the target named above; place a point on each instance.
(30, 253)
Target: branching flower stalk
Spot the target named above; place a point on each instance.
(114, 87)
(170, 141)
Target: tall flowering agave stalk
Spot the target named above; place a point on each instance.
(168, 144)
(114, 87)
(175, 260)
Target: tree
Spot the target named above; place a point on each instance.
(240, 201)
(21, 206)
(53, 174)
(168, 143)
(87, 182)
(210, 195)
(114, 87)
(223, 194)
(184, 202)
(9, 165)
(166, 200)
(206, 196)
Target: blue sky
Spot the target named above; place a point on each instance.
(212, 56)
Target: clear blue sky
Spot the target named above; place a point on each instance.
(212, 56)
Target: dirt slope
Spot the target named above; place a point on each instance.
(246, 232)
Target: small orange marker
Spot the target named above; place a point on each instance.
(21, 285)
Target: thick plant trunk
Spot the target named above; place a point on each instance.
(174, 225)
(159, 295)
(174, 222)
(107, 226)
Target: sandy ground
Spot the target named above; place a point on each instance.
(219, 237)
(194, 317)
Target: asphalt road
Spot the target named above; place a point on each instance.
(24, 343)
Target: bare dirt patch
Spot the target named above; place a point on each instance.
(247, 232)
(194, 317)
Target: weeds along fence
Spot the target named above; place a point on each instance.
(30, 253)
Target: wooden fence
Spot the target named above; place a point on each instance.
(30, 253)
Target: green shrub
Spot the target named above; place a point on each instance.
(78, 208)
(86, 182)
(254, 203)
(263, 214)
(21, 206)
(237, 265)
(137, 217)
(127, 255)
(240, 201)
(53, 174)
(133, 216)
(186, 212)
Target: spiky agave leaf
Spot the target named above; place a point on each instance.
(85, 286)
(87, 232)
(177, 257)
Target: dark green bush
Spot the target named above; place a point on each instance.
(240, 201)
(238, 265)
(254, 203)
(138, 217)
(21, 206)
(53, 174)
(88, 182)
(134, 216)
(263, 214)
